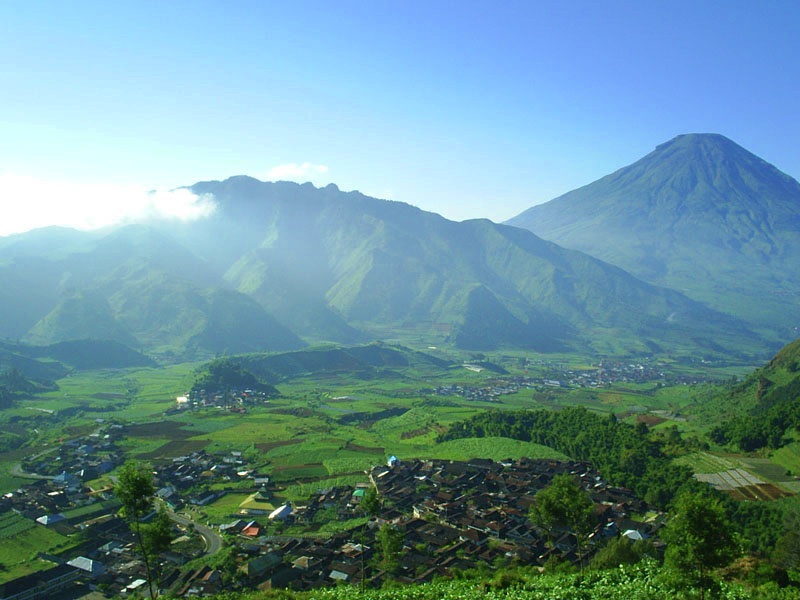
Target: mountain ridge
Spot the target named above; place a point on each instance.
(280, 264)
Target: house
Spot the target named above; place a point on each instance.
(89, 567)
(48, 520)
(261, 565)
(634, 535)
(44, 584)
(281, 513)
(251, 530)
(236, 525)
(263, 494)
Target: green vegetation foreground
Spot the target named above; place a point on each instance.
(642, 581)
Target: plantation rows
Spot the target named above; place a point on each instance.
(731, 479)
(12, 524)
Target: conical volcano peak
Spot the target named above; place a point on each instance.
(706, 147)
(699, 213)
(687, 140)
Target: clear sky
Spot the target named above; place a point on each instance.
(469, 109)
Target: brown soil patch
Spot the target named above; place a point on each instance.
(760, 492)
(407, 435)
(650, 420)
(364, 449)
(294, 412)
(176, 448)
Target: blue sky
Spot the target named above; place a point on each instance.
(468, 109)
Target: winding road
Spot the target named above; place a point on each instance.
(213, 539)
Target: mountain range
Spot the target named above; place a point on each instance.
(699, 214)
(279, 265)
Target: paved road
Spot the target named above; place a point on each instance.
(17, 471)
(212, 538)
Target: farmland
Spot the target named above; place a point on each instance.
(327, 430)
(21, 540)
(745, 478)
(333, 425)
(338, 422)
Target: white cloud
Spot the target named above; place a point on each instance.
(28, 203)
(298, 172)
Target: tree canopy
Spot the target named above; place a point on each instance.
(626, 455)
(135, 490)
(699, 539)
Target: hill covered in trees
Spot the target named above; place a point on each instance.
(768, 404)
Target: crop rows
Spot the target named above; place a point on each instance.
(730, 479)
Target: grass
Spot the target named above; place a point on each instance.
(704, 462)
(8, 481)
(22, 540)
(90, 509)
(766, 469)
(220, 511)
(12, 524)
(495, 448)
(788, 457)
(294, 473)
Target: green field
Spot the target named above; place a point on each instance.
(22, 539)
(704, 462)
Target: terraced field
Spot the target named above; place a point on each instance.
(743, 478)
(730, 479)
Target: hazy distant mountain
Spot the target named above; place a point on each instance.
(47, 363)
(699, 214)
(135, 286)
(279, 260)
(320, 256)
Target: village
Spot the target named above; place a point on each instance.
(450, 516)
(557, 376)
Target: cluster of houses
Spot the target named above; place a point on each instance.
(561, 376)
(85, 457)
(187, 479)
(107, 560)
(233, 400)
(452, 516)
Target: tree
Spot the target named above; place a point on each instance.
(371, 502)
(786, 554)
(135, 490)
(564, 504)
(156, 538)
(621, 550)
(390, 541)
(699, 539)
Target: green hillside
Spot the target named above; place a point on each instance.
(699, 214)
(381, 266)
(278, 265)
(767, 405)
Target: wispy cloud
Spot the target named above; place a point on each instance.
(299, 172)
(28, 203)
